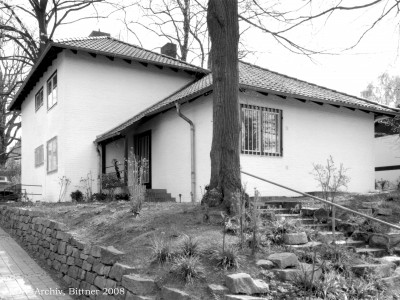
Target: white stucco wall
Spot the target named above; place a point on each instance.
(95, 95)
(38, 128)
(310, 134)
(387, 153)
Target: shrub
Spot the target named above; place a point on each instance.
(276, 229)
(188, 268)
(228, 258)
(77, 196)
(330, 287)
(110, 182)
(122, 196)
(190, 246)
(137, 189)
(161, 251)
(99, 197)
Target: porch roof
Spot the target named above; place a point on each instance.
(262, 80)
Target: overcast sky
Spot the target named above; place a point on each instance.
(348, 71)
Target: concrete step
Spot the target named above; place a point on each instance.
(308, 245)
(279, 202)
(319, 226)
(350, 243)
(328, 235)
(306, 221)
(376, 252)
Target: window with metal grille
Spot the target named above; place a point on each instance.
(39, 156)
(39, 99)
(261, 130)
(52, 155)
(52, 91)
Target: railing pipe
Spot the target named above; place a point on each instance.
(324, 201)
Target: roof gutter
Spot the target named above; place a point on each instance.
(192, 152)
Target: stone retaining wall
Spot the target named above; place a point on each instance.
(89, 270)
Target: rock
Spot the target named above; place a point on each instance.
(322, 215)
(118, 270)
(299, 238)
(265, 264)
(217, 289)
(303, 271)
(384, 211)
(173, 294)
(242, 297)
(242, 283)
(284, 260)
(139, 285)
(110, 255)
(394, 239)
(390, 259)
(380, 270)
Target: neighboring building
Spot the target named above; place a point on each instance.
(387, 156)
(81, 88)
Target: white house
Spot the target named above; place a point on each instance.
(387, 156)
(81, 89)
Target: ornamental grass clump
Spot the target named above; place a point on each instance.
(190, 246)
(228, 258)
(187, 268)
(161, 250)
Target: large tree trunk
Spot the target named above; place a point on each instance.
(222, 20)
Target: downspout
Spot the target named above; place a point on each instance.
(192, 153)
(100, 167)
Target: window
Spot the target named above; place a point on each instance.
(39, 156)
(39, 99)
(52, 91)
(52, 155)
(261, 130)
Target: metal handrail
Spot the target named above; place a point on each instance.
(324, 201)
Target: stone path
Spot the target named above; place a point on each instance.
(21, 277)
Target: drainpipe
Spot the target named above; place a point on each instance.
(192, 152)
(99, 166)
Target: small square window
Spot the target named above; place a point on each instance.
(39, 99)
(39, 156)
(52, 91)
(52, 155)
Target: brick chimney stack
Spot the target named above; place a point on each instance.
(169, 49)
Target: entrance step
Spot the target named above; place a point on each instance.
(158, 195)
(376, 252)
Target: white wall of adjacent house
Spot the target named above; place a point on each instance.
(387, 154)
(95, 95)
(311, 133)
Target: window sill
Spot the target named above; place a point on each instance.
(55, 104)
(52, 172)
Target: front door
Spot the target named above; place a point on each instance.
(142, 148)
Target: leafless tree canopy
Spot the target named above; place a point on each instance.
(26, 26)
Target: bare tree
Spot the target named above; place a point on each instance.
(25, 29)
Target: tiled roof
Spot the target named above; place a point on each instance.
(113, 47)
(101, 45)
(264, 80)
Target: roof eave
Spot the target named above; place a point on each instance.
(324, 101)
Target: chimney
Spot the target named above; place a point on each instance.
(169, 49)
(98, 33)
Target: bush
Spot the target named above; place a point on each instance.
(122, 196)
(228, 258)
(77, 196)
(190, 246)
(188, 268)
(161, 251)
(99, 197)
